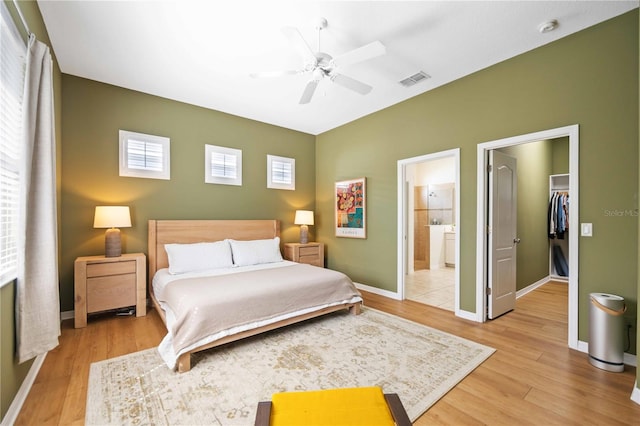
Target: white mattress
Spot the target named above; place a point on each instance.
(163, 277)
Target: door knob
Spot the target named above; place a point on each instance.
(516, 240)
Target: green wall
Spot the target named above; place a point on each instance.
(93, 113)
(560, 156)
(534, 167)
(12, 374)
(589, 78)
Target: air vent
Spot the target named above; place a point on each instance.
(416, 78)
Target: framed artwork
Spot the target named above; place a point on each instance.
(351, 208)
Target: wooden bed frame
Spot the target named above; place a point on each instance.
(163, 232)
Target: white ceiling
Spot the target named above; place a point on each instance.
(201, 52)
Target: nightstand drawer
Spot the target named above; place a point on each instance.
(310, 252)
(110, 292)
(311, 260)
(104, 269)
(315, 261)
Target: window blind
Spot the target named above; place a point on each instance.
(12, 57)
(143, 155)
(281, 172)
(224, 165)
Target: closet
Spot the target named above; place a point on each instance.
(559, 237)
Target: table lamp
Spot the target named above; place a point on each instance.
(112, 217)
(304, 218)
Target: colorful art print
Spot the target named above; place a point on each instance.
(350, 208)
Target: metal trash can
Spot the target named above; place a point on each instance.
(606, 331)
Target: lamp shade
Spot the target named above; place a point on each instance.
(112, 217)
(303, 217)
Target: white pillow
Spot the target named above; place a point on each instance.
(198, 256)
(256, 252)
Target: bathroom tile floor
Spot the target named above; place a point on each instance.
(435, 287)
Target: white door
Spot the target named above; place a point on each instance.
(502, 234)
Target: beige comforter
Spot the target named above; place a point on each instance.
(207, 305)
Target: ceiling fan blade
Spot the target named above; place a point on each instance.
(297, 41)
(363, 53)
(308, 92)
(266, 74)
(350, 83)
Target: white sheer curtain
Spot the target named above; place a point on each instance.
(37, 294)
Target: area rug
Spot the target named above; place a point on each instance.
(338, 350)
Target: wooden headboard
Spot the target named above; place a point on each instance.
(163, 232)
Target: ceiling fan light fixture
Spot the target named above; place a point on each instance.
(318, 74)
(548, 26)
(321, 24)
(320, 64)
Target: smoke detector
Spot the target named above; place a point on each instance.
(547, 26)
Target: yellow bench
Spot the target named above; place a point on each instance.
(367, 406)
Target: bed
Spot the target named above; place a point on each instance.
(235, 304)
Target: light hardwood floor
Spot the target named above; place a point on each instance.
(532, 378)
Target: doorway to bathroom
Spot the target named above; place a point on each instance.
(429, 200)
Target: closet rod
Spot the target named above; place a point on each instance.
(24, 21)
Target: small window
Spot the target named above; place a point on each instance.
(281, 172)
(144, 156)
(222, 165)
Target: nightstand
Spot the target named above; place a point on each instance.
(311, 253)
(105, 283)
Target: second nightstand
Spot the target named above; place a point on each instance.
(311, 253)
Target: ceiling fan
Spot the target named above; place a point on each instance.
(322, 65)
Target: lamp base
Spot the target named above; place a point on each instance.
(304, 234)
(112, 244)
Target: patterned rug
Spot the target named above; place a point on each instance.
(339, 350)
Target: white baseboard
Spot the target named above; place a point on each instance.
(627, 359)
(583, 346)
(378, 291)
(530, 288)
(21, 396)
(635, 394)
(630, 359)
(471, 316)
